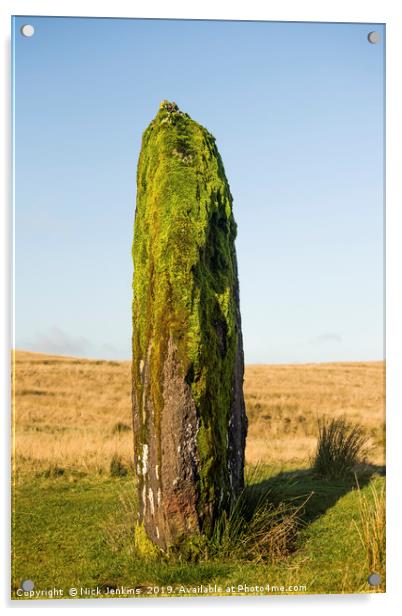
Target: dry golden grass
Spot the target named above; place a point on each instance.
(372, 530)
(76, 413)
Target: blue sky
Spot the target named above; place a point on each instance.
(297, 112)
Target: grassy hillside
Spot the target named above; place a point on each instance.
(72, 427)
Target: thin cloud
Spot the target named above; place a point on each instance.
(56, 341)
(325, 338)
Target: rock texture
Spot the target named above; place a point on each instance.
(188, 407)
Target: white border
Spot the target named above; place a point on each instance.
(385, 11)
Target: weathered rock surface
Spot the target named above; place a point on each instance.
(188, 407)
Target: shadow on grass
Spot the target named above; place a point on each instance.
(311, 492)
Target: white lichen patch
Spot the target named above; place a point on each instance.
(144, 415)
(151, 500)
(144, 497)
(144, 459)
(157, 471)
(157, 531)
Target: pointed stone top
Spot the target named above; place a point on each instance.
(168, 106)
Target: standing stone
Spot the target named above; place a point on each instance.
(188, 408)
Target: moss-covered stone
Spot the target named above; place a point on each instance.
(188, 407)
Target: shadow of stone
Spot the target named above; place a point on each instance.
(305, 489)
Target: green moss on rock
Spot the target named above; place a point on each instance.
(184, 290)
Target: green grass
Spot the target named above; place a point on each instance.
(79, 532)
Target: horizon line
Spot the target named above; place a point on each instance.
(260, 363)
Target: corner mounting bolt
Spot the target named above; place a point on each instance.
(27, 30)
(373, 37)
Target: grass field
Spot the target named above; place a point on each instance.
(73, 521)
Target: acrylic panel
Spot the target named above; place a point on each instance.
(198, 354)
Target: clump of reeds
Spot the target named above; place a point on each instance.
(258, 527)
(340, 447)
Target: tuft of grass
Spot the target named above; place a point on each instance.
(120, 426)
(120, 526)
(53, 470)
(257, 528)
(117, 467)
(266, 533)
(371, 528)
(339, 448)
